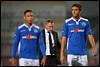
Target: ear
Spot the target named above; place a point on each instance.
(80, 11)
(24, 17)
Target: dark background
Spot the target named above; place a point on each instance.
(12, 15)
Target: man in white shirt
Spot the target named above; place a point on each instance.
(52, 44)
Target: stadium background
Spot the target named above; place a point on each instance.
(12, 15)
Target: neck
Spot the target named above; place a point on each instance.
(76, 18)
(28, 24)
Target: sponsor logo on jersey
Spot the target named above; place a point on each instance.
(28, 36)
(23, 30)
(77, 30)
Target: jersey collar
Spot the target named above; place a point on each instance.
(75, 20)
(28, 26)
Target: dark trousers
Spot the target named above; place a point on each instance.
(51, 61)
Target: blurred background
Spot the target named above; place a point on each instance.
(12, 16)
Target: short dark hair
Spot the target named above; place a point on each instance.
(77, 5)
(49, 21)
(27, 11)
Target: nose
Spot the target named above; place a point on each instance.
(73, 11)
(30, 17)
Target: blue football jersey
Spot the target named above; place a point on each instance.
(76, 32)
(29, 39)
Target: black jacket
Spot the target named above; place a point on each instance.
(56, 41)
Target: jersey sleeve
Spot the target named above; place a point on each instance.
(41, 44)
(15, 43)
(88, 29)
(64, 32)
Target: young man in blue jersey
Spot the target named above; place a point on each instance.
(75, 33)
(28, 35)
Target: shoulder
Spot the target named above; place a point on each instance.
(67, 20)
(21, 26)
(54, 32)
(84, 19)
(37, 27)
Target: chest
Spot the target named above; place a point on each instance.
(29, 33)
(76, 26)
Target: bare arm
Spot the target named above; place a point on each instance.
(63, 43)
(92, 42)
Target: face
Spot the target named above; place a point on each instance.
(28, 17)
(75, 11)
(49, 26)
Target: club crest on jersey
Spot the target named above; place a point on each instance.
(35, 30)
(83, 24)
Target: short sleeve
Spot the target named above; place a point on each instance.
(64, 32)
(88, 28)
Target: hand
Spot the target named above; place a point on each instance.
(14, 62)
(43, 61)
(94, 51)
(62, 58)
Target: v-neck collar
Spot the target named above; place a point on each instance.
(28, 26)
(77, 22)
